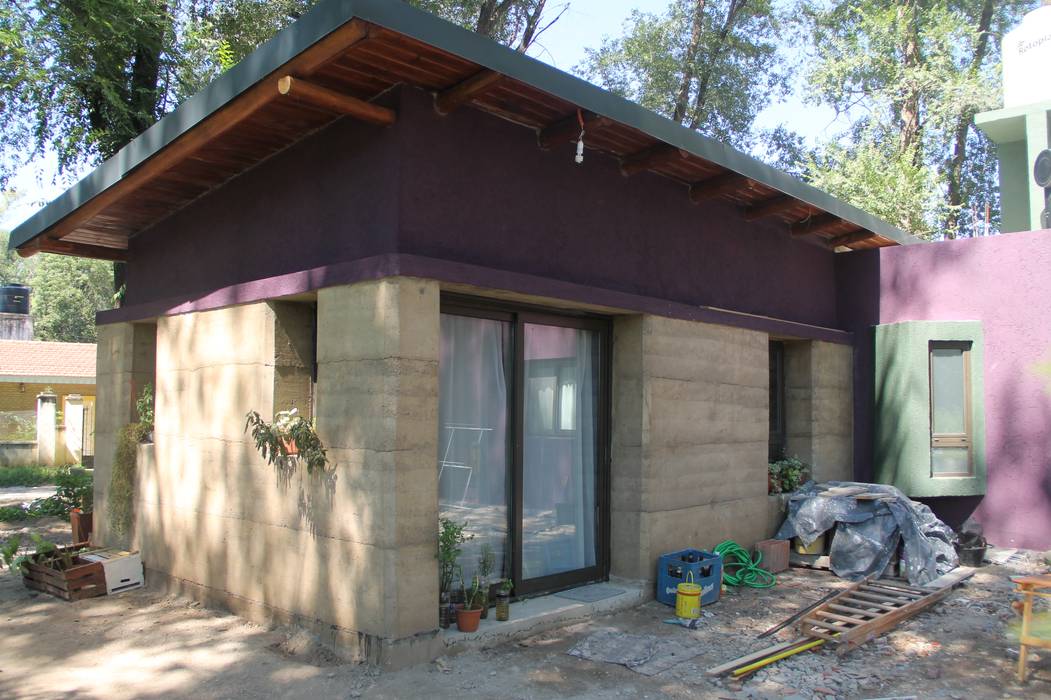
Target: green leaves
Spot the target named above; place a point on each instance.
(67, 292)
(710, 65)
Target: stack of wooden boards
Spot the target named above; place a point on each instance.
(849, 618)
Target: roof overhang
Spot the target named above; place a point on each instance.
(343, 54)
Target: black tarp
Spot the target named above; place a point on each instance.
(868, 532)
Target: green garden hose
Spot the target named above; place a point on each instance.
(740, 570)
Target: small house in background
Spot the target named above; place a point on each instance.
(47, 402)
(512, 299)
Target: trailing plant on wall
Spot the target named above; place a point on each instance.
(120, 500)
(289, 436)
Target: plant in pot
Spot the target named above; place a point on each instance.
(451, 535)
(503, 600)
(470, 613)
(485, 569)
(289, 436)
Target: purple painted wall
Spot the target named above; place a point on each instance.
(471, 188)
(1004, 282)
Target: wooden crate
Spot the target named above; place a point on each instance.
(82, 580)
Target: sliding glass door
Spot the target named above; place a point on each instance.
(523, 446)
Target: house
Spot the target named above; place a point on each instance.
(377, 218)
(47, 390)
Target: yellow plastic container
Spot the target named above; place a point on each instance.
(688, 599)
(815, 547)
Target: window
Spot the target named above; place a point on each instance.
(777, 400)
(950, 387)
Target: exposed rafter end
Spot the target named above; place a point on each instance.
(850, 238)
(568, 129)
(717, 186)
(816, 225)
(447, 101)
(652, 157)
(771, 207)
(325, 98)
(80, 250)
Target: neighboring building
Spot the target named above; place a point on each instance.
(377, 218)
(15, 321)
(66, 371)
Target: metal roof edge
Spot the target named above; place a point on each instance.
(404, 19)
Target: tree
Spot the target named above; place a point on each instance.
(911, 75)
(67, 292)
(711, 65)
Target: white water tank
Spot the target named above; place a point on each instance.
(1027, 60)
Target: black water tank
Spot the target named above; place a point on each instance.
(14, 299)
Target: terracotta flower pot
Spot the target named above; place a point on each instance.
(467, 620)
(290, 446)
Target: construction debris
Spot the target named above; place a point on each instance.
(846, 619)
(871, 521)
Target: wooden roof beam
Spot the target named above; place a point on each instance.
(80, 250)
(448, 101)
(816, 225)
(850, 237)
(717, 186)
(652, 157)
(569, 128)
(319, 96)
(771, 207)
(216, 124)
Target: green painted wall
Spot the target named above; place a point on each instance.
(902, 415)
(1014, 187)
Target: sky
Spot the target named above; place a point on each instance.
(583, 26)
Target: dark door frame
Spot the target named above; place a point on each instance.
(518, 315)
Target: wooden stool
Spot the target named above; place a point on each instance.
(1030, 587)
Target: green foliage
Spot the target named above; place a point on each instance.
(121, 496)
(787, 475)
(67, 292)
(711, 66)
(76, 489)
(144, 407)
(29, 476)
(506, 586)
(486, 559)
(14, 269)
(910, 76)
(9, 549)
(451, 535)
(475, 596)
(289, 431)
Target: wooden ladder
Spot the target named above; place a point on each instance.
(866, 610)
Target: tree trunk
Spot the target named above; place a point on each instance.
(532, 25)
(954, 171)
(682, 100)
(909, 14)
(706, 78)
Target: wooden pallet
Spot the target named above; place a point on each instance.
(866, 610)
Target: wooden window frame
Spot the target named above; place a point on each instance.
(777, 441)
(966, 438)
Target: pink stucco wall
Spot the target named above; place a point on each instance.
(1004, 282)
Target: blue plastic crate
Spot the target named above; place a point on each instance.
(672, 569)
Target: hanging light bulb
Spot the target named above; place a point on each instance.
(580, 139)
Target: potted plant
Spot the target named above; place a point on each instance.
(469, 614)
(485, 569)
(503, 600)
(289, 436)
(450, 536)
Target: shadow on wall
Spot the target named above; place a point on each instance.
(221, 516)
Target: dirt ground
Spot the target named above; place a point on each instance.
(143, 645)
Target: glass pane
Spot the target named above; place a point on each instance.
(950, 460)
(947, 391)
(473, 453)
(559, 466)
